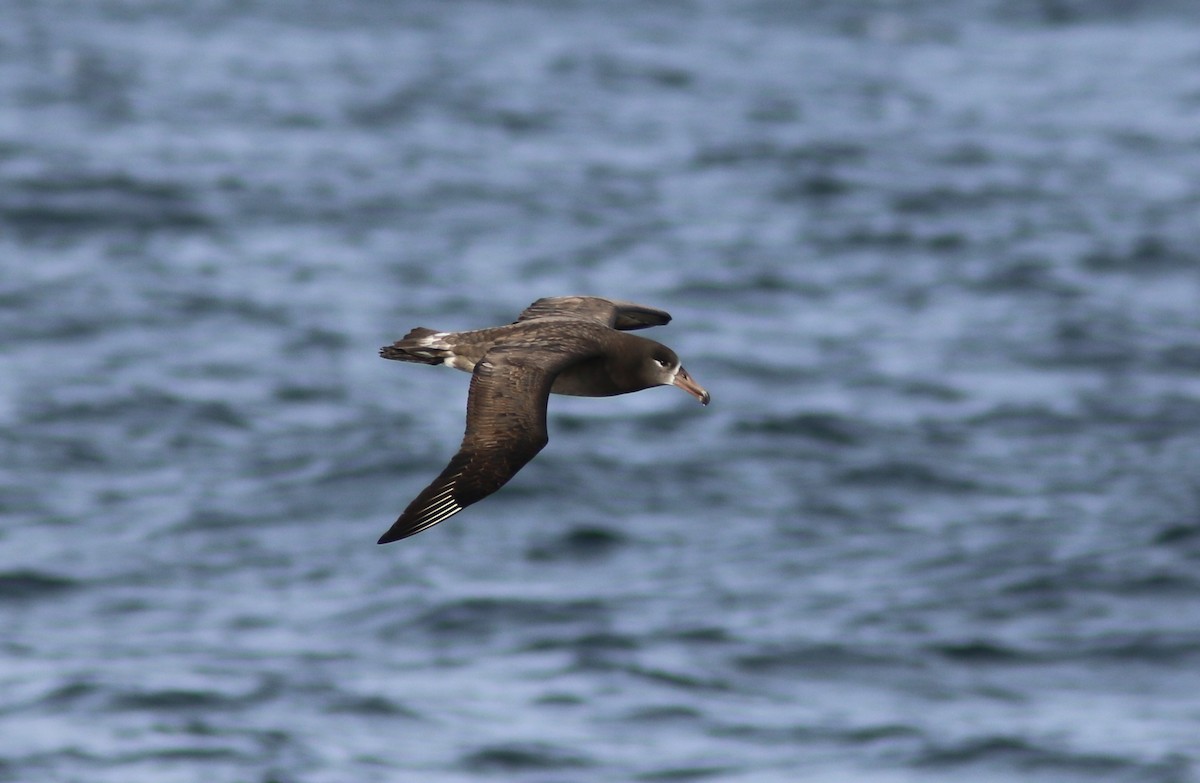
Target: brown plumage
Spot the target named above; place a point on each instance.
(567, 345)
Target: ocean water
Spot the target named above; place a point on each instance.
(937, 263)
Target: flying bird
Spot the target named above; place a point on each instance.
(575, 345)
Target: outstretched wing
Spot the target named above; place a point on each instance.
(506, 427)
(613, 313)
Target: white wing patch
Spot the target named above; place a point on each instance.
(440, 507)
(459, 363)
(434, 346)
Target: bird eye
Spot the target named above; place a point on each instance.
(661, 363)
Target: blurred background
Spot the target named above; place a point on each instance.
(937, 263)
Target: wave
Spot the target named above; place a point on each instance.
(580, 543)
(523, 757)
(31, 585)
(80, 202)
(1030, 756)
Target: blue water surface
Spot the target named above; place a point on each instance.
(937, 264)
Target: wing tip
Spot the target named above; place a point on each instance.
(431, 514)
(396, 532)
(389, 537)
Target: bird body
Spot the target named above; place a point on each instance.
(572, 345)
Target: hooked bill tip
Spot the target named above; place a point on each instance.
(684, 381)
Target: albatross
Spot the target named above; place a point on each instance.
(576, 345)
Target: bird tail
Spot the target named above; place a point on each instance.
(420, 345)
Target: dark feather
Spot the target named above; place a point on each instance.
(613, 313)
(506, 427)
